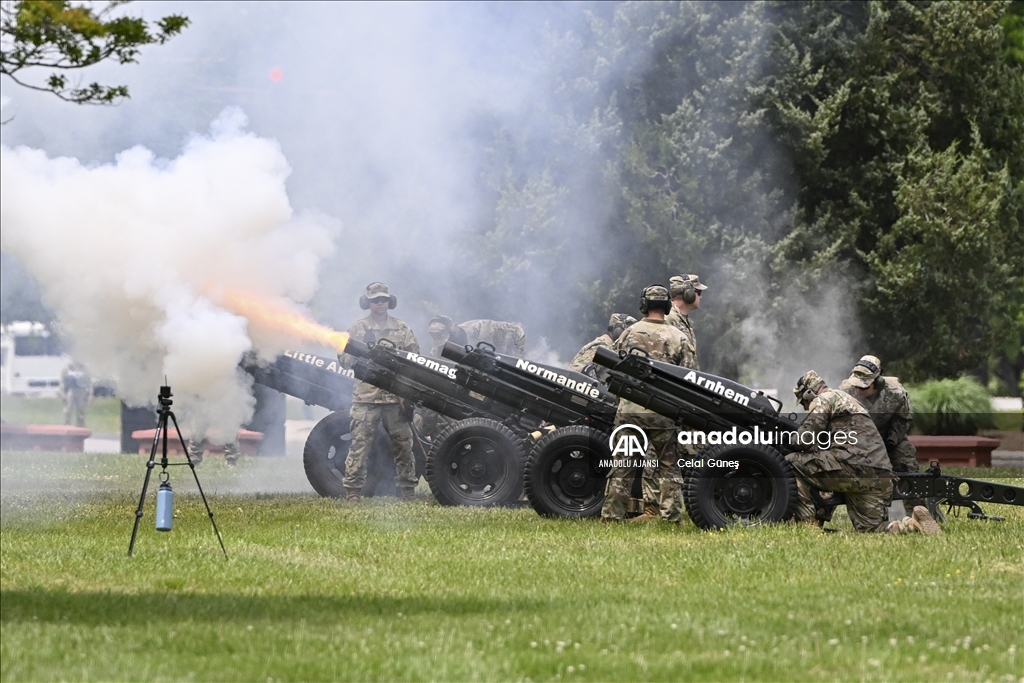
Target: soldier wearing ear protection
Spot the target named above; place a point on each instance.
(584, 359)
(372, 406)
(889, 406)
(664, 343)
(686, 291)
(842, 452)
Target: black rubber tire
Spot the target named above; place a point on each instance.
(562, 478)
(323, 458)
(762, 490)
(477, 463)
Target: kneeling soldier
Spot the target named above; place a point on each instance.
(854, 462)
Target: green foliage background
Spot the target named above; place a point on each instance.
(784, 151)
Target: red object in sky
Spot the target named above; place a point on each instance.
(276, 75)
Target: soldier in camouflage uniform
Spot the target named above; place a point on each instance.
(584, 360)
(686, 292)
(507, 338)
(859, 469)
(889, 406)
(443, 329)
(372, 406)
(664, 343)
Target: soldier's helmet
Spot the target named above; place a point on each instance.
(807, 386)
(440, 325)
(620, 320)
(377, 290)
(656, 295)
(865, 372)
(618, 323)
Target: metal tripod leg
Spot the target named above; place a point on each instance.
(192, 467)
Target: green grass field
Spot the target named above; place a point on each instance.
(317, 589)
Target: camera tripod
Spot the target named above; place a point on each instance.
(166, 414)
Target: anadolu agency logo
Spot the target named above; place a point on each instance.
(628, 444)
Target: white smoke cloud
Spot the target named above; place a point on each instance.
(131, 256)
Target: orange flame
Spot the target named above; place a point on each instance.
(277, 317)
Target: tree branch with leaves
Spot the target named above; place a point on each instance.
(63, 37)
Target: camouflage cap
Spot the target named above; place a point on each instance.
(621, 320)
(655, 293)
(377, 290)
(679, 283)
(809, 381)
(865, 372)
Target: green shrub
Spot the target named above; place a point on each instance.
(951, 406)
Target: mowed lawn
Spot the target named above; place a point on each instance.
(318, 589)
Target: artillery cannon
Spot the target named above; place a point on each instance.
(477, 459)
(762, 486)
(579, 408)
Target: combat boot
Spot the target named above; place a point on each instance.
(924, 521)
(650, 514)
(407, 494)
(352, 495)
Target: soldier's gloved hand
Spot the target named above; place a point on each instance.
(890, 446)
(405, 409)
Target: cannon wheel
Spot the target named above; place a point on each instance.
(763, 489)
(561, 477)
(323, 458)
(476, 462)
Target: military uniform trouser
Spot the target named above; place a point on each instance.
(667, 476)
(365, 418)
(868, 491)
(75, 401)
(671, 509)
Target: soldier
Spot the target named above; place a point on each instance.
(372, 406)
(76, 390)
(686, 291)
(664, 343)
(443, 329)
(507, 338)
(889, 406)
(584, 360)
(845, 454)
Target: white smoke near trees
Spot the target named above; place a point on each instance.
(132, 254)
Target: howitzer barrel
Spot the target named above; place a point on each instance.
(693, 399)
(551, 394)
(316, 380)
(418, 379)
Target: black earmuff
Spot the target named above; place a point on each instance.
(689, 295)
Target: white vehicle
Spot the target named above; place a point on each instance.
(30, 360)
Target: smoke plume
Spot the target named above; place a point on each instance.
(132, 256)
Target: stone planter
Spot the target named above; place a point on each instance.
(955, 451)
(248, 443)
(61, 438)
